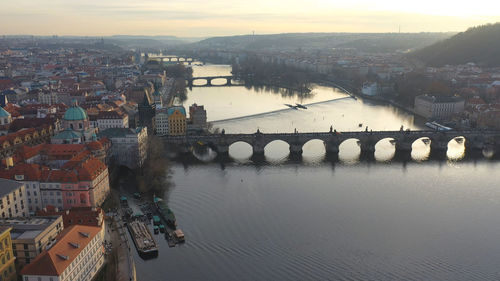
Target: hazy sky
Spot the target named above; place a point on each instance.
(194, 18)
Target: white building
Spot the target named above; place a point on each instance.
(13, 199)
(77, 255)
(161, 122)
(438, 107)
(129, 146)
(112, 119)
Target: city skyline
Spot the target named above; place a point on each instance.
(195, 18)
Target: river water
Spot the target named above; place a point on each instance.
(318, 220)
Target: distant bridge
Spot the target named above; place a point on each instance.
(403, 140)
(188, 60)
(208, 79)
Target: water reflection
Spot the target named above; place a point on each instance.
(421, 149)
(241, 152)
(204, 153)
(385, 150)
(456, 149)
(277, 151)
(313, 152)
(349, 151)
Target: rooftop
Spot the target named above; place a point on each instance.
(54, 261)
(119, 132)
(8, 186)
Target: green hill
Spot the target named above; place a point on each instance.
(480, 45)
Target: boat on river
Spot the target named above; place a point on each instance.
(143, 239)
(165, 212)
(301, 106)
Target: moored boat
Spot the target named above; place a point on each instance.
(165, 212)
(143, 239)
(179, 235)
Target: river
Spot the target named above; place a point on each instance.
(317, 220)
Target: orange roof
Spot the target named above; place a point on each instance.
(95, 145)
(53, 262)
(31, 172)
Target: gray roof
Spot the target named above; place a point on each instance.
(7, 186)
(28, 228)
(119, 132)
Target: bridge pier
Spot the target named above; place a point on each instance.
(209, 82)
(295, 151)
(332, 151)
(403, 151)
(439, 148)
(223, 150)
(228, 81)
(367, 151)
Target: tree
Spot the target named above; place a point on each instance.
(154, 176)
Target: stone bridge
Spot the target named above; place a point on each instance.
(403, 140)
(174, 59)
(229, 79)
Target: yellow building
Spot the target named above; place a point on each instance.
(7, 267)
(176, 121)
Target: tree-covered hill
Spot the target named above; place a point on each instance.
(480, 45)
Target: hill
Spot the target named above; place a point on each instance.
(366, 42)
(480, 45)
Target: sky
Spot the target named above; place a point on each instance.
(205, 18)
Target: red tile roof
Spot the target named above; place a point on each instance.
(51, 262)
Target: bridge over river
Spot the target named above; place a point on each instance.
(474, 140)
(229, 81)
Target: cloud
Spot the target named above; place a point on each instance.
(225, 17)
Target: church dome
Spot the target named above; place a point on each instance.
(75, 113)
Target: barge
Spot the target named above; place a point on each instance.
(143, 239)
(165, 212)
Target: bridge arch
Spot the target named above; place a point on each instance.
(314, 149)
(456, 148)
(421, 149)
(350, 150)
(385, 149)
(240, 150)
(276, 150)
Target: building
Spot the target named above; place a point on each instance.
(76, 127)
(370, 89)
(146, 112)
(7, 267)
(29, 175)
(112, 119)
(92, 216)
(31, 236)
(76, 255)
(161, 122)
(48, 97)
(197, 122)
(129, 146)
(5, 121)
(176, 121)
(13, 199)
(438, 107)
